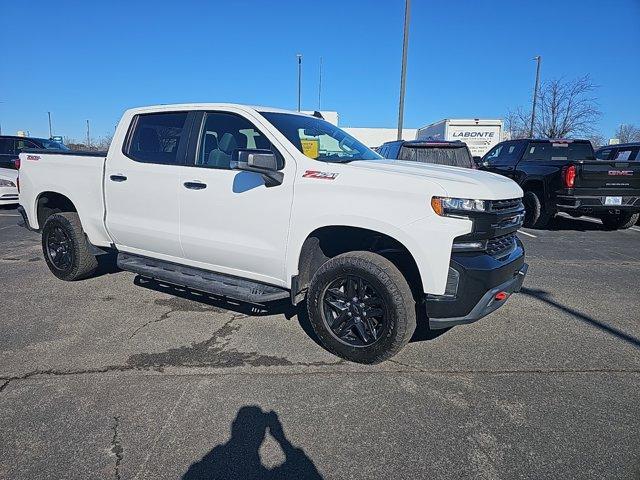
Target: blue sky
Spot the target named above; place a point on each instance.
(92, 60)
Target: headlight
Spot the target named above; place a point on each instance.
(445, 206)
(6, 183)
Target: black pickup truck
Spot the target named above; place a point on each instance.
(565, 176)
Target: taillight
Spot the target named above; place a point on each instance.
(569, 176)
(16, 162)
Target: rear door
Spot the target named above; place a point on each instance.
(142, 183)
(230, 221)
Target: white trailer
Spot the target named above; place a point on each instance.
(480, 135)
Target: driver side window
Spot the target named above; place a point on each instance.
(224, 133)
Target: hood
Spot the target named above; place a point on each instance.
(9, 174)
(456, 181)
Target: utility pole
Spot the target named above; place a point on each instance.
(403, 74)
(299, 55)
(50, 131)
(320, 86)
(88, 141)
(537, 58)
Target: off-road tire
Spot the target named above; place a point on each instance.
(535, 216)
(620, 221)
(83, 263)
(391, 285)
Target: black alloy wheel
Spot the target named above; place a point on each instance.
(354, 311)
(59, 248)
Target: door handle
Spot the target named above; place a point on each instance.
(118, 178)
(195, 185)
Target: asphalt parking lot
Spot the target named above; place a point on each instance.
(118, 377)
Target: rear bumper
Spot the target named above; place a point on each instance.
(481, 278)
(592, 203)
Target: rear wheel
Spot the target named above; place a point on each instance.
(361, 307)
(535, 215)
(619, 221)
(65, 247)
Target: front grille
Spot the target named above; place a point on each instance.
(505, 205)
(502, 245)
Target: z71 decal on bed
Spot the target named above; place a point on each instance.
(321, 175)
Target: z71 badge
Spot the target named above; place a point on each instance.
(320, 175)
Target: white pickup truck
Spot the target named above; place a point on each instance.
(259, 204)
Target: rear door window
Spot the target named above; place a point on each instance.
(604, 154)
(158, 138)
(626, 154)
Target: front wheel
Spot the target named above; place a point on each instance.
(361, 307)
(619, 221)
(65, 247)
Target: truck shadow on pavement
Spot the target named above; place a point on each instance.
(282, 307)
(239, 458)
(559, 223)
(545, 297)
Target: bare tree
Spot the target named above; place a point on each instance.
(596, 140)
(565, 108)
(516, 122)
(627, 133)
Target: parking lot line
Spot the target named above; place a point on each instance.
(8, 215)
(527, 234)
(8, 226)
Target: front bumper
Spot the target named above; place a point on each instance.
(481, 278)
(592, 204)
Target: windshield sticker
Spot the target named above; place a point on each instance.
(311, 148)
(321, 175)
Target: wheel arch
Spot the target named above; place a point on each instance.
(49, 202)
(328, 241)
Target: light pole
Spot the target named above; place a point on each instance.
(320, 86)
(50, 131)
(537, 58)
(299, 56)
(403, 73)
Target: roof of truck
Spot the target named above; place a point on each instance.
(210, 106)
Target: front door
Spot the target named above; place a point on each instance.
(230, 221)
(142, 183)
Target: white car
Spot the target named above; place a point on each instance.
(259, 204)
(8, 186)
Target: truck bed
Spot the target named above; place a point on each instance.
(76, 175)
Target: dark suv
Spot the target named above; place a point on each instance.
(11, 147)
(561, 175)
(439, 152)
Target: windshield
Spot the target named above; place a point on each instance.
(453, 156)
(52, 144)
(319, 139)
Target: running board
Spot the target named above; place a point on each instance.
(203, 280)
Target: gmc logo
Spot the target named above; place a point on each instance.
(621, 173)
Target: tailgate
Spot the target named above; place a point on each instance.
(612, 177)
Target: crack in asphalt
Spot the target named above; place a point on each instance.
(126, 368)
(116, 448)
(2, 387)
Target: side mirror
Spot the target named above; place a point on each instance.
(264, 162)
(479, 163)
